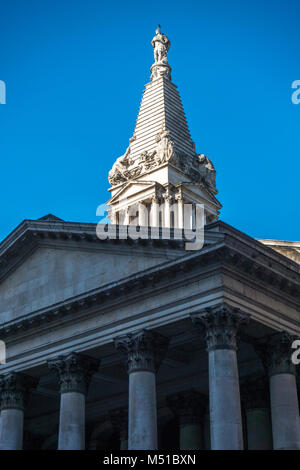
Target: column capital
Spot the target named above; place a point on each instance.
(276, 352)
(188, 406)
(179, 197)
(220, 324)
(167, 196)
(119, 420)
(74, 371)
(14, 390)
(144, 350)
(155, 199)
(255, 393)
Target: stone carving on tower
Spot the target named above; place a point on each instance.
(162, 140)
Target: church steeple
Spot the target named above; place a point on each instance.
(161, 155)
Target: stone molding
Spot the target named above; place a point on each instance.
(256, 260)
(188, 407)
(275, 353)
(74, 371)
(15, 389)
(143, 350)
(220, 324)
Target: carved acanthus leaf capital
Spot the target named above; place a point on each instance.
(155, 199)
(15, 389)
(276, 352)
(74, 371)
(143, 350)
(220, 324)
(168, 198)
(179, 197)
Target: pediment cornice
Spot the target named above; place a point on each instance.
(252, 261)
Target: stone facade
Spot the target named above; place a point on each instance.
(115, 342)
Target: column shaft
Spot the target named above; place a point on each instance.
(189, 407)
(224, 397)
(123, 444)
(275, 354)
(126, 217)
(11, 429)
(155, 213)
(259, 429)
(72, 421)
(142, 431)
(285, 411)
(119, 419)
(144, 351)
(113, 217)
(15, 388)
(180, 214)
(74, 372)
(190, 436)
(143, 215)
(256, 401)
(221, 324)
(167, 214)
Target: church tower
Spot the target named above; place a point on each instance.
(160, 172)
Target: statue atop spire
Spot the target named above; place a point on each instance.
(161, 160)
(161, 46)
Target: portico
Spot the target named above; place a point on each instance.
(187, 332)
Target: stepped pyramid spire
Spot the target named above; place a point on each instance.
(161, 154)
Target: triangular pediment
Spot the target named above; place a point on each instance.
(204, 191)
(125, 189)
(42, 266)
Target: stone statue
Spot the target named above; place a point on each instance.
(147, 160)
(118, 172)
(161, 46)
(165, 146)
(207, 170)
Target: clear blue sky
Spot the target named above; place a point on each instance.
(75, 71)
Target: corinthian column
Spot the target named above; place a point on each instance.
(276, 357)
(144, 351)
(255, 397)
(126, 216)
(119, 420)
(14, 389)
(167, 209)
(180, 210)
(220, 324)
(74, 372)
(154, 214)
(189, 407)
(113, 216)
